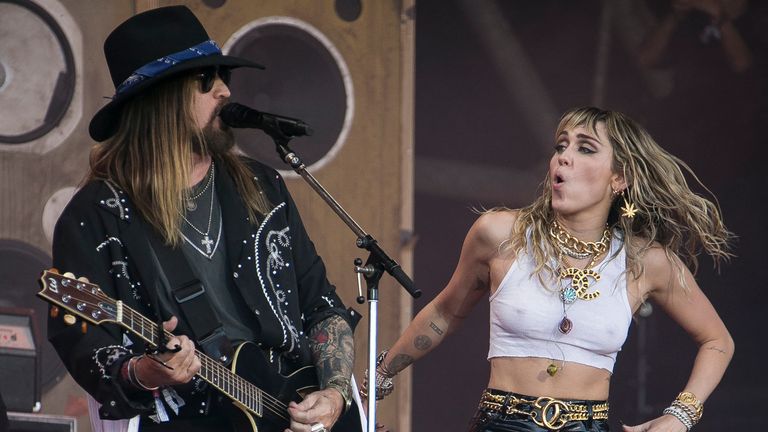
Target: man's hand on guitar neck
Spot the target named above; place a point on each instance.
(323, 406)
(170, 368)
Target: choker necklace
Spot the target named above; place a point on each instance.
(190, 201)
(580, 279)
(206, 241)
(575, 248)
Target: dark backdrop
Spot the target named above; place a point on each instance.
(492, 77)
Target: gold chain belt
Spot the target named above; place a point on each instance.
(545, 411)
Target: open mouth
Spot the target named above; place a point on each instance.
(558, 179)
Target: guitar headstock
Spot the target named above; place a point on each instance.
(78, 296)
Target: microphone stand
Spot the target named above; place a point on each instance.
(378, 261)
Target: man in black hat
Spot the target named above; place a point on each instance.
(179, 228)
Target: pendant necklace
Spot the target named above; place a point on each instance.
(206, 242)
(552, 369)
(190, 201)
(576, 287)
(577, 280)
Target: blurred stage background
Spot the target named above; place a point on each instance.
(454, 104)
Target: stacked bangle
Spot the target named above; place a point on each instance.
(690, 401)
(132, 378)
(687, 408)
(384, 384)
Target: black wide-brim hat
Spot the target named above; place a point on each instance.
(150, 47)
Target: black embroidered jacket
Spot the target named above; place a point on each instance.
(273, 264)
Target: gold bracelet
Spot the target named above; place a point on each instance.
(690, 399)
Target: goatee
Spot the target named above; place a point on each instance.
(220, 140)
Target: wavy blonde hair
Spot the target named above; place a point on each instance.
(670, 213)
(150, 157)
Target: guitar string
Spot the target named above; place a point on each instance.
(235, 382)
(268, 401)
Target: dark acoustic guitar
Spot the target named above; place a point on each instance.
(255, 385)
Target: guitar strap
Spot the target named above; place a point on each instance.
(193, 302)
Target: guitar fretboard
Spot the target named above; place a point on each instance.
(213, 372)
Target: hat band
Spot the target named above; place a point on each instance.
(162, 64)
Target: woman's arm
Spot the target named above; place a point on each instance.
(469, 283)
(690, 308)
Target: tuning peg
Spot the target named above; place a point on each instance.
(69, 275)
(84, 327)
(83, 279)
(54, 311)
(54, 270)
(69, 319)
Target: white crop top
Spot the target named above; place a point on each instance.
(525, 316)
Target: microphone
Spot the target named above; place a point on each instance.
(240, 116)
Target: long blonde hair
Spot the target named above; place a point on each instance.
(670, 213)
(150, 157)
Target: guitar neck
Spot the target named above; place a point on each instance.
(214, 373)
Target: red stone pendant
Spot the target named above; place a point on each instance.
(565, 325)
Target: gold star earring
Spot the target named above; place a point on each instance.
(629, 210)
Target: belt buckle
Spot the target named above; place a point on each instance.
(512, 403)
(551, 413)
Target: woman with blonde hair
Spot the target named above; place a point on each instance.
(616, 225)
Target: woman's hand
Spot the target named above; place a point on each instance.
(665, 423)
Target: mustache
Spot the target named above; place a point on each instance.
(217, 110)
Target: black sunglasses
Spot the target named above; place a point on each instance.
(207, 77)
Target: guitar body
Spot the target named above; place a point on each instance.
(251, 363)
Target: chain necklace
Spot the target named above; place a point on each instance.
(191, 202)
(578, 280)
(576, 248)
(206, 241)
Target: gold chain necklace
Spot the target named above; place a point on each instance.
(580, 279)
(576, 248)
(578, 286)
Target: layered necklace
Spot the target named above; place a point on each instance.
(575, 282)
(206, 242)
(191, 201)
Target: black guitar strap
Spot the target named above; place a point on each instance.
(193, 302)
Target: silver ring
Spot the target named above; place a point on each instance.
(317, 427)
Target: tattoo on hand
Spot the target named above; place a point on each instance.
(435, 328)
(422, 342)
(333, 349)
(400, 362)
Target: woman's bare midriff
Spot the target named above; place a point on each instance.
(528, 376)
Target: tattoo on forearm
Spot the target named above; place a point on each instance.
(400, 362)
(422, 342)
(333, 349)
(721, 351)
(435, 328)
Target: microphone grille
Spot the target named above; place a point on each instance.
(233, 114)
